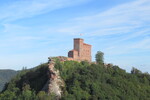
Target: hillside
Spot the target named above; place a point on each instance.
(83, 81)
(5, 76)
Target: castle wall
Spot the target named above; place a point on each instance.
(78, 45)
(81, 51)
(86, 54)
(73, 54)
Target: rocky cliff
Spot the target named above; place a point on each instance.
(55, 82)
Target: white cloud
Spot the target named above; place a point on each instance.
(12, 28)
(127, 21)
(143, 44)
(28, 8)
(121, 19)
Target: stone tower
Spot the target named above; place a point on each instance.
(81, 51)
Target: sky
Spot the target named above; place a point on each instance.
(33, 30)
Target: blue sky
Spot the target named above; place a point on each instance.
(33, 30)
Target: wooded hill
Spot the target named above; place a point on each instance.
(83, 81)
(5, 76)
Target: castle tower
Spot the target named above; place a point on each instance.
(81, 51)
(78, 45)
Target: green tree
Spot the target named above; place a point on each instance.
(41, 95)
(135, 71)
(27, 93)
(99, 57)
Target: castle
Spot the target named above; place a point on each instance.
(81, 51)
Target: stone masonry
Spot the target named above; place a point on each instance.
(81, 51)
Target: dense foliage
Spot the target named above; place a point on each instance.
(99, 57)
(27, 85)
(100, 82)
(5, 76)
(83, 81)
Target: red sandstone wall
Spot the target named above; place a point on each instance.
(82, 51)
(86, 54)
(78, 45)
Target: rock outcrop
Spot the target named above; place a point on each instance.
(54, 83)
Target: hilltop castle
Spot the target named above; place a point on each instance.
(81, 51)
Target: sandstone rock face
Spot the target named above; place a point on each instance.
(54, 84)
